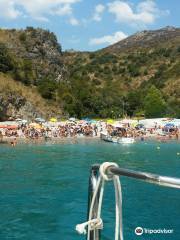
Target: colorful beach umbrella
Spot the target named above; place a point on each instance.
(41, 120)
(10, 127)
(53, 120)
(35, 125)
(110, 121)
(169, 125)
(118, 125)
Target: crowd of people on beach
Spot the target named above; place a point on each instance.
(159, 132)
(49, 131)
(52, 131)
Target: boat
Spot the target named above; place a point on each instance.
(121, 140)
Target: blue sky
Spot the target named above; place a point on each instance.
(90, 24)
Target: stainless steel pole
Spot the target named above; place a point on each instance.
(147, 177)
(94, 234)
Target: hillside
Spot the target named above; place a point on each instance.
(130, 77)
(116, 79)
(146, 39)
(19, 101)
(33, 58)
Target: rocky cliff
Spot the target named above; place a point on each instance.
(19, 101)
(31, 57)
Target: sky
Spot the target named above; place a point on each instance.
(88, 25)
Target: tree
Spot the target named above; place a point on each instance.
(47, 88)
(154, 104)
(134, 102)
(6, 61)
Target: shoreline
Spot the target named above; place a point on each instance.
(23, 140)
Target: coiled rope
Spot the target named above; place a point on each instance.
(97, 223)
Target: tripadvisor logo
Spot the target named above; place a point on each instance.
(139, 231)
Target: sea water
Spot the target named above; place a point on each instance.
(43, 189)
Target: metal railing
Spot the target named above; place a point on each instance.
(144, 176)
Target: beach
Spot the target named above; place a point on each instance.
(140, 130)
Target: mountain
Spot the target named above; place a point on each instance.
(130, 77)
(118, 77)
(146, 39)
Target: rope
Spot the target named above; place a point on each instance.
(97, 223)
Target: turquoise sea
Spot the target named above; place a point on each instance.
(43, 189)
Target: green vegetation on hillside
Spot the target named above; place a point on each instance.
(118, 83)
(143, 80)
(18, 100)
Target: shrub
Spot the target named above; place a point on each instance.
(22, 37)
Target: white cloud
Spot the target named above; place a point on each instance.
(73, 21)
(108, 39)
(8, 10)
(63, 10)
(145, 12)
(36, 9)
(99, 9)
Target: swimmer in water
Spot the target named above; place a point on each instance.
(13, 142)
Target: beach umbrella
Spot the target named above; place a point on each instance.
(41, 120)
(93, 121)
(53, 120)
(169, 125)
(110, 121)
(12, 127)
(134, 124)
(118, 125)
(82, 121)
(86, 119)
(18, 120)
(126, 121)
(24, 121)
(35, 125)
(72, 119)
(139, 126)
(3, 126)
(176, 122)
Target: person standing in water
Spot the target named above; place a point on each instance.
(13, 142)
(1, 137)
